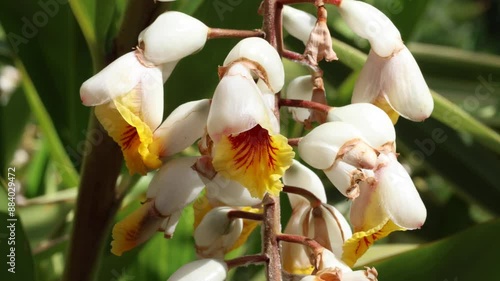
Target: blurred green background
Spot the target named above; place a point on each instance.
(56, 45)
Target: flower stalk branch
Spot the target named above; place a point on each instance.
(315, 201)
(246, 260)
(245, 215)
(215, 33)
(305, 104)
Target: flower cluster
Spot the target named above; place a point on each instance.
(243, 157)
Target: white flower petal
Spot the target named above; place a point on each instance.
(299, 175)
(237, 105)
(343, 176)
(170, 223)
(329, 260)
(205, 269)
(260, 51)
(229, 192)
(398, 194)
(216, 233)
(370, 23)
(182, 128)
(300, 88)
(372, 121)
(116, 79)
(173, 36)
(175, 185)
(397, 79)
(167, 69)
(295, 255)
(152, 97)
(405, 87)
(298, 23)
(319, 148)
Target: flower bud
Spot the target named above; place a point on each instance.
(346, 178)
(171, 37)
(217, 233)
(372, 121)
(399, 81)
(370, 23)
(181, 129)
(205, 269)
(320, 147)
(260, 51)
(298, 23)
(119, 78)
(328, 227)
(300, 88)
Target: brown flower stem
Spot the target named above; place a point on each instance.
(271, 227)
(294, 141)
(332, 2)
(246, 260)
(98, 198)
(315, 201)
(245, 215)
(305, 104)
(215, 33)
(298, 239)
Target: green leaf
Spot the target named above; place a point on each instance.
(469, 255)
(45, 37)
(95, 18)
(68, 173)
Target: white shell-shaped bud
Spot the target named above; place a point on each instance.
(370, 23)
(182, 128)
(345, 178)
(175, 185)
(319, 148)
(171, 37)
(217, 233)
(328, 227)
(328, 259)
(237, 104)
(119, 78)
(398, 80)
(205, 269)
(300, 88)
(300, 176)
(372, 121)
(260, 51)
(298, 23)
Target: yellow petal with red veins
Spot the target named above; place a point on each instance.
(135, 229)
(255, 159)
(360, 241)
(122, 120)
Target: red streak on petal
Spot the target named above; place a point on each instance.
(128, 136)
(253, 145)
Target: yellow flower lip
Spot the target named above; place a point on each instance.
(255, 159)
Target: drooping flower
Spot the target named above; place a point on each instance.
(171, 37)
(300, 88)
(204, 269)
(217, 233)
(316, 220)
(128, 96)
(390, 78)
(247, 145)
(394, 84)
(388, 202)
(173, 187)
(217, 244)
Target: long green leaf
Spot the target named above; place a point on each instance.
(68, 173)
(445, 111)
(468, 256)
